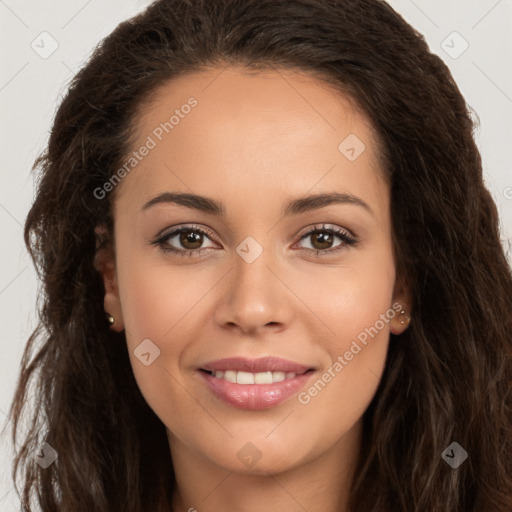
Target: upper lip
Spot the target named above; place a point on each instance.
(263, 364)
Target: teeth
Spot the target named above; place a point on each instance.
(245, 378)
(278, 376)
(263, 378)
(230, 376)
(253, 378)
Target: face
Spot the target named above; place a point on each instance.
(263, 282)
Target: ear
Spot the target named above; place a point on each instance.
(104, 262)
(402, 307)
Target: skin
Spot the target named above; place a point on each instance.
(254, 142)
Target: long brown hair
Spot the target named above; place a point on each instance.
(447, 378)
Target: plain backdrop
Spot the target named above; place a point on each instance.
(43, 44)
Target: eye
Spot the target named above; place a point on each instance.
(190, 238)
(322, 237)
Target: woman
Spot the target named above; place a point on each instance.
(273, 275)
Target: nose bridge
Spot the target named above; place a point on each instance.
(252, 279)
(255, 297)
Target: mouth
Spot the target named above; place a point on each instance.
(255, 383)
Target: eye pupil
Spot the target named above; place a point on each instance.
(192, 237)
(324, 238)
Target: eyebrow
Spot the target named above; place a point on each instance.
(293, 207)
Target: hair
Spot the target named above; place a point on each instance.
(447, 378)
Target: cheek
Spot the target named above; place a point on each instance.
(157, 300)
(349, 299)
(354, 305)
(157, 303)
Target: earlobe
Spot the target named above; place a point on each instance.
(400, 322)
(104, 262)
(401, 306)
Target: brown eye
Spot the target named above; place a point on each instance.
(322, 240)
(185, 241)
(191, 239)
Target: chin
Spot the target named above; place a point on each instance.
(260, 457)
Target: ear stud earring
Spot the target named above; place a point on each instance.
(110, 319)
(404, 319)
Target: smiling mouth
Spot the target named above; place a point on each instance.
(241, 377)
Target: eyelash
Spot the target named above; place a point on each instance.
(347, 239)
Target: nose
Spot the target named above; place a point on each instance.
(256, 297)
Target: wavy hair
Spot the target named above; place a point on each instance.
(447, 378)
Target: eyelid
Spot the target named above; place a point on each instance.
(165, 233)
(328, 227)
(211, 233)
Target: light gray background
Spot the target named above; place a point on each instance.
(31, 87)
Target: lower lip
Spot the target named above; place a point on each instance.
(255, 396)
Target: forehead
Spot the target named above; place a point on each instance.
(276, 130)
